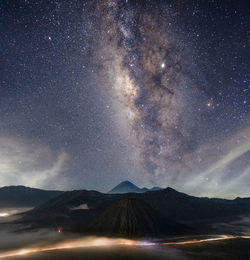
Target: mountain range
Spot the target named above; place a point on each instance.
(22, 196)
(152, 213)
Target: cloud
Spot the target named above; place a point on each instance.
(30, 163)
(224, 171)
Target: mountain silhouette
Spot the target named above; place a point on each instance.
(151, 213)
(21, 196)
(127, 186)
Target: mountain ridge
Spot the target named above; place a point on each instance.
(23, 196)
(168, 205)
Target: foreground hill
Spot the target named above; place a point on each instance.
(134, 213)
(21, 196)
(133, 217)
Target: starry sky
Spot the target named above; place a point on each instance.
(93, 93)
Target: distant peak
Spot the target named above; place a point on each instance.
(128, 186)
(127, 183)
(125, 187)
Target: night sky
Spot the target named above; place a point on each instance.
(93, 93)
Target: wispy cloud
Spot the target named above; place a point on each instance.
(30, 163)
(227, 173)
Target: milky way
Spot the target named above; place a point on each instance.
(97, 92)
(149, 69)
(149, 72)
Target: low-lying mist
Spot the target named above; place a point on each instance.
(16, 240)
(41, 242)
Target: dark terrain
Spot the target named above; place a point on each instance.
(157, 213)
(160, 215)
(21, 196)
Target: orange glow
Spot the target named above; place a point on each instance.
(197, 241)
(78, 243)
(59, 230)
(4, 214)
(106, 242)
(24, 252)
